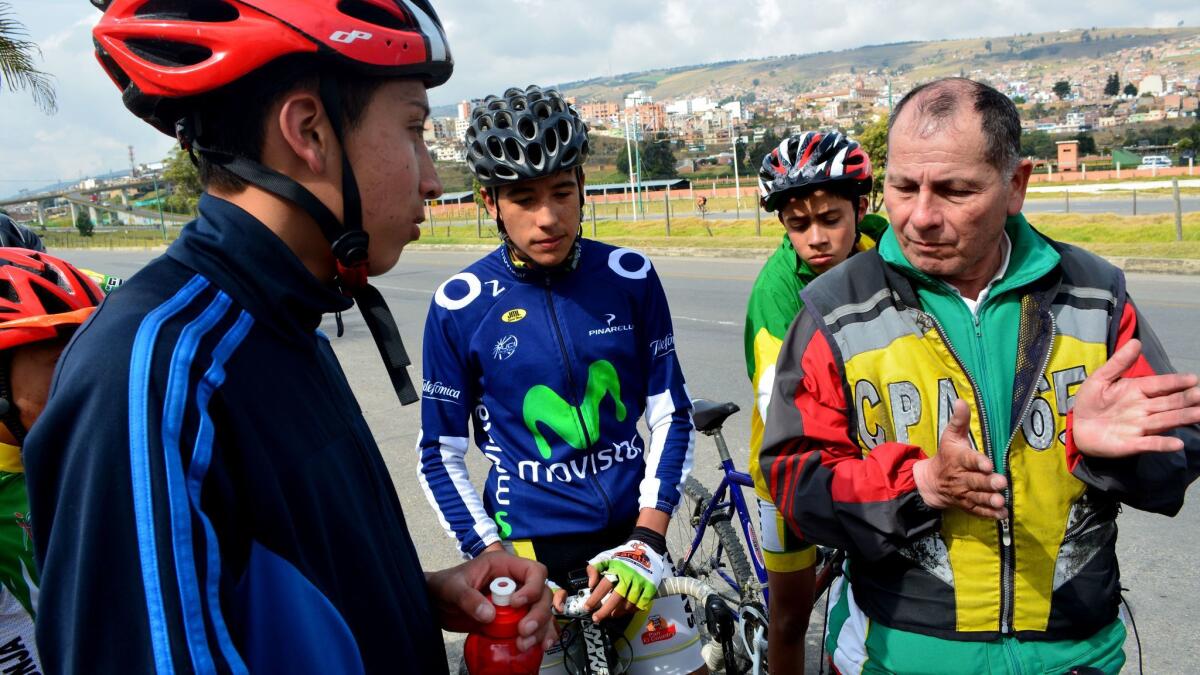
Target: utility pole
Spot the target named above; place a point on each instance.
(629, 156)
(737, 179)
(132, 164)
(159, 198)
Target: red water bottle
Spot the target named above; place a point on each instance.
(494, 651)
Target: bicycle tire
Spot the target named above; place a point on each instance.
(705, 562)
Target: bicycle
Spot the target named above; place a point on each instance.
(704, 545)
(589, 648)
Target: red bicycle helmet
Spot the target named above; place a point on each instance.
(40, 296)
(810, 160)
(165, 54)
(160, 50)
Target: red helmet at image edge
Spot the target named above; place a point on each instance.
(40, 295)
(163, 50)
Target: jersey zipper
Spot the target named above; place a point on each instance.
(1003, 527)
(1009, 558)
(574, 394)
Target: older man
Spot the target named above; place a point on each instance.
(966, 409)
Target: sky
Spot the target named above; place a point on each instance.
(501, 43)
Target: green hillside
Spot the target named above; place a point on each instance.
(915, 60)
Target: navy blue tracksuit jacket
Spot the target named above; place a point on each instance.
(206, 495)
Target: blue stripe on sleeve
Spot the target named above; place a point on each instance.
(139, 461)
(201, 459)
(179, 387)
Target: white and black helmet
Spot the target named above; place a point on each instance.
(524, 134)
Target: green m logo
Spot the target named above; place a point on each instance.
(544, 406)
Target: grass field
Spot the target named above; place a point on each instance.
(1151, 236)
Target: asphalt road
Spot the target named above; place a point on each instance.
(1119, 204)
(708, 298)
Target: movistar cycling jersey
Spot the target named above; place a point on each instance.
(554, 370)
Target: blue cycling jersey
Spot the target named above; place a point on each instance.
(553, 371)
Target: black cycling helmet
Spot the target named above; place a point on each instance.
(811, 160)
(524, 134)
(15, 235)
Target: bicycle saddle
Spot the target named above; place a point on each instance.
(709, 416)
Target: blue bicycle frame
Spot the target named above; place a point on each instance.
(729, 498)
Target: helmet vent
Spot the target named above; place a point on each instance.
(543, 110)
(527, 128)
(372, 14)
(534, 151)
(495, 148)
(551, 140)
(208, 11)
(503, 120)
(173, 54)
(476, 149)
(52, 303)
(512, 150)
(563, 129)
(8, 292)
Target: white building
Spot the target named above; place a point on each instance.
(1152, 84)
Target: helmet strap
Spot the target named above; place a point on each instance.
(347, 240)
(9, 414)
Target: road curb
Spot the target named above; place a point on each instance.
(1188, 266)
(1157, 265)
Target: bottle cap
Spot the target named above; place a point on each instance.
(502, 589)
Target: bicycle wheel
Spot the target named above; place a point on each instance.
(718, 551)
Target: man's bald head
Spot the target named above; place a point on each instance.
(935, 106)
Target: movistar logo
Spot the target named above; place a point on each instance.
(544, 406)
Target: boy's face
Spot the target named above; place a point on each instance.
(31, 371)
(541, 216)
(393, 168)
(821, 227)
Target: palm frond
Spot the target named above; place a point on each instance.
(18, 68)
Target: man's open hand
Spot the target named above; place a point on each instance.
(958, 475)
(1118, 416)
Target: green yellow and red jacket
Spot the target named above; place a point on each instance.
(864, 387)
(773, 305)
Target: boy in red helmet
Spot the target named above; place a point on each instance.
(206, 494)
(45, 300)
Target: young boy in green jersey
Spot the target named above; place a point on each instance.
(817, 184)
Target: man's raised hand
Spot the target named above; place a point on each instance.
(1118, 416)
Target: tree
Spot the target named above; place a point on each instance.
(17, 55)
(1038, 144)
(752, 158)
(1130, 89)
(1113, 86)
(184, 179)
(658, 161)
(754, 82)
(1062, 89)
(1087, 144)
(988, 46)
(1018, 99)
(83, 223)
(873, 140)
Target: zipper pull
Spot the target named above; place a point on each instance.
(1006, 532)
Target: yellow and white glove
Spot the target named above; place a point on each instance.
(639, 570)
